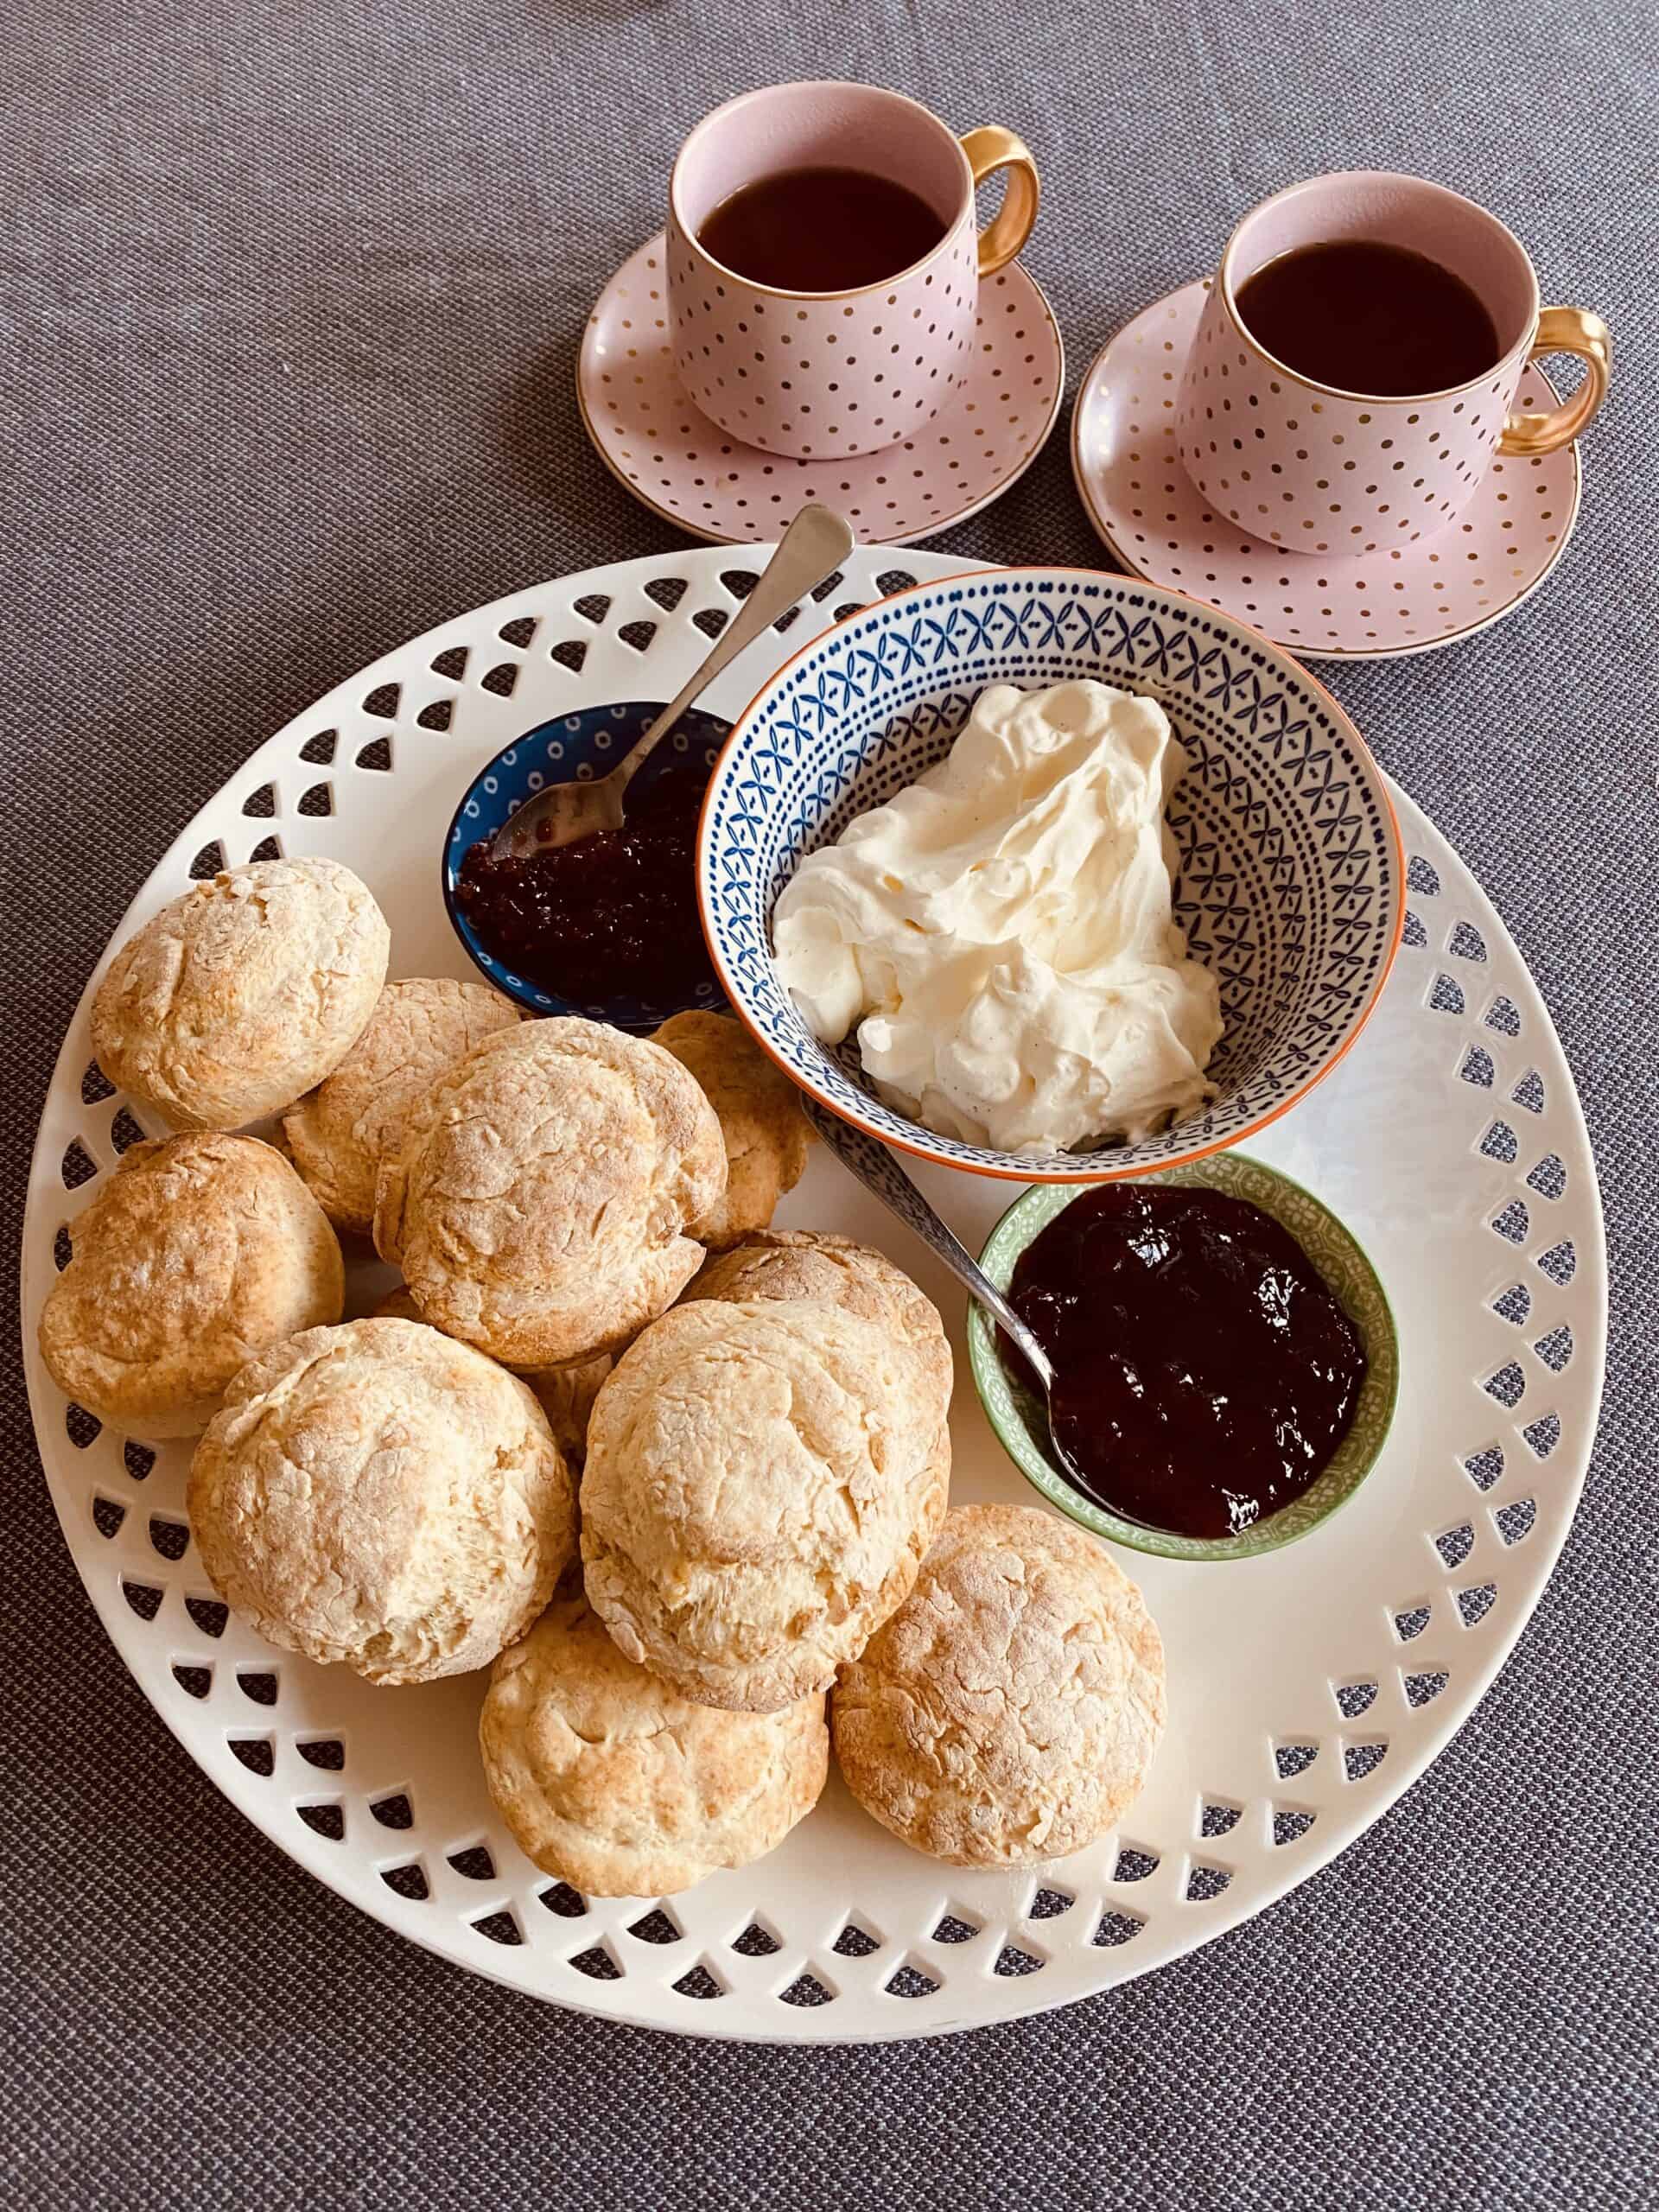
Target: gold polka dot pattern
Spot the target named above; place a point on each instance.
(1382, 577)
(1320, 471)
(822, 376)
(664, 448)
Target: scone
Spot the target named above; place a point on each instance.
(541, 1205)
(1009, 1710)
(342, 1132)
(243, 993)
(765, 1133)
(379, 1495)
(621, 1786)
(816, 1264)
(566, 1394)
(761, 1483)
(198, 1253)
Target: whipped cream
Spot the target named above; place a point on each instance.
(1001, 932)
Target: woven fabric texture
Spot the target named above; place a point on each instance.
(290, 304)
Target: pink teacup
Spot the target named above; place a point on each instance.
(824, 375)
(1319, 470)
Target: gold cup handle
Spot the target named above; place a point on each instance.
(1564, 330)
(988, 150)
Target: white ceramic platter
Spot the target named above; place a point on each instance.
(1307, 1688)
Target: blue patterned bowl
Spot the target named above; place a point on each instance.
(585, 745)
(1291, 875)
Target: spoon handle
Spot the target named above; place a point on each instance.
(813, 547)
(877, 1167)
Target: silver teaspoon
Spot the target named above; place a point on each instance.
(877, 1167)
(814, 546)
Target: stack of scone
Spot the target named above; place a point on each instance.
(757, 1420)
(766, 1468)
(763, 1517)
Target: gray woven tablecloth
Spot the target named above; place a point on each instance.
(291, 297)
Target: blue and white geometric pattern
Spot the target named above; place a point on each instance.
(1291, 879)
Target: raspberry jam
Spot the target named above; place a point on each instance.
(614, 915)
(1203, 1371)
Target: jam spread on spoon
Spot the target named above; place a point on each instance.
(610, 916)
(1203, 1372)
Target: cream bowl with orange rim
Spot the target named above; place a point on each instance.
(1291, 877)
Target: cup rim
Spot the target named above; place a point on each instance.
(1345, 1473)
(1515, 354)
(728, 108)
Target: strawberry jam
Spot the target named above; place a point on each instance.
(1204, 1372)
(613, 915)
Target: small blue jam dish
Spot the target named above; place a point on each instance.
(586, 745)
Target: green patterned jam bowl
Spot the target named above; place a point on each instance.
(1022, 1428)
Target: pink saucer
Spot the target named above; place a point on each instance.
(1358, 607)
(694, 475)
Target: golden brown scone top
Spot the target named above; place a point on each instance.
(380, 1495)
(611, 1780)
(541, 1205)
(814, 1263)
(1008, 1712)
(565, 1394)
(767, 1134)
(762, 1480)
(200, 1252)
(242, 994)
(341, 1133)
